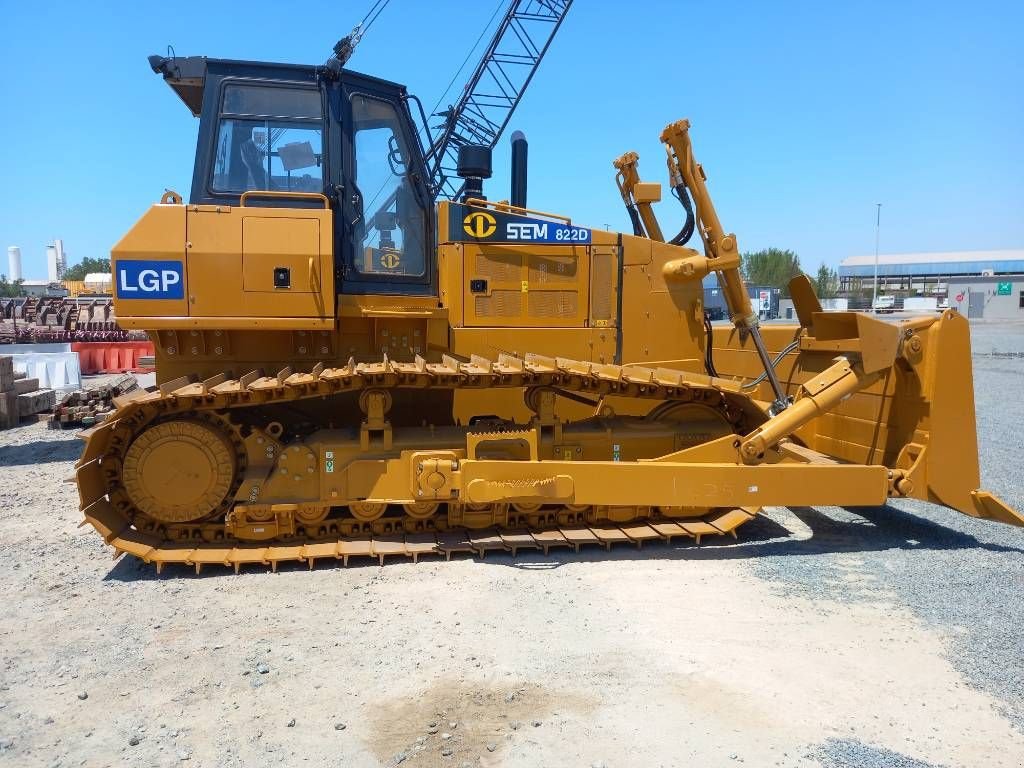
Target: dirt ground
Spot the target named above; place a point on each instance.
(821, 637)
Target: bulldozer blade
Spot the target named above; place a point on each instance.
(919, 418)
(949, 465)
(991, 507)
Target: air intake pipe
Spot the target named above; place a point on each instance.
(474, 165)
(519, 155)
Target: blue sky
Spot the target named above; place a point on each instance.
(805, 114)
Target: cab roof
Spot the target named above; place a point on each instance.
(186, 75)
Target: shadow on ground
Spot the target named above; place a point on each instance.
(40, 452)
(871, 529)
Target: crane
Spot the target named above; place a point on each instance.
(496, 87)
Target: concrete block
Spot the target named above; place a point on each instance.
(6, 373)
(35, 402)
(9, 415)
(21, 386)
(54, 370)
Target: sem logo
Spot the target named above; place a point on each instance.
(150, 280)
(479, 224)
(530, 231)
(391, 260)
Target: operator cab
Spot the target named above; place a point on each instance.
(283, 133)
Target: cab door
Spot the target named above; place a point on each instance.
(386, 226)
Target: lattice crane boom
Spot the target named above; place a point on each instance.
(495, 89)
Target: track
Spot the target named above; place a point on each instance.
(107, 506)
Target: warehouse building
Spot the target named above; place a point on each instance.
(979, 284)
(764, 300)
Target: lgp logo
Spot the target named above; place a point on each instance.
(479, 224)
(150, 280)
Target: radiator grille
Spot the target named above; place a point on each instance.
(499, 304)
(601, 270)
(499, 267)
(552, 269)
(551, 304)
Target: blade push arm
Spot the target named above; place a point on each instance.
(719, 246)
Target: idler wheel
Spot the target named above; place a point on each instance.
(179, 471)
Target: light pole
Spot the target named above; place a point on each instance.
(878, 226)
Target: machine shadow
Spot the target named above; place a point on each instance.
(40, 452)
(874, 529)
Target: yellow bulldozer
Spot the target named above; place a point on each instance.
(359, 354)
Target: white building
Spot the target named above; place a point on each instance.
(98, 282)
(43, 288)
(979, 284)
(13, 263)
(56, 261)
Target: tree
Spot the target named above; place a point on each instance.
(826, 284)
(85, 266)
(8, 289)
(772, 267)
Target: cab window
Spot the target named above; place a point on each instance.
(390, 226)
(269, 138)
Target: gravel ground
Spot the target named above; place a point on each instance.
(823, 637)
(968, 585)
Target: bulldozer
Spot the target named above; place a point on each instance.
(353, 363)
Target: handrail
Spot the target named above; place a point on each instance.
(509, 208)
(286, 195)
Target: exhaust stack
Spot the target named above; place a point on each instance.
(519, 155)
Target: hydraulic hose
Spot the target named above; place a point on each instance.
(679, 190)
(709, 357)
(634, 217)
(778, 359)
